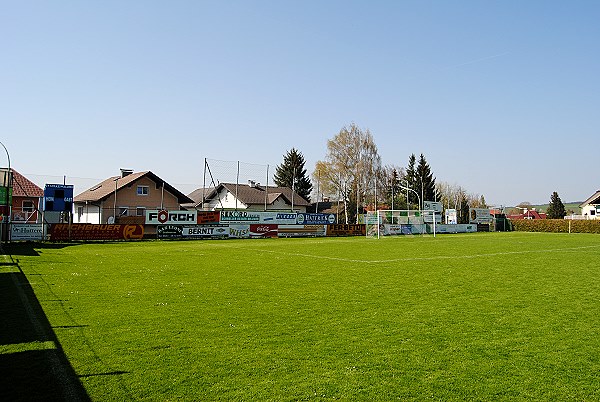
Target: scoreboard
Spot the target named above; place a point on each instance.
(58, 198)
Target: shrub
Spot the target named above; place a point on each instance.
(556, 225)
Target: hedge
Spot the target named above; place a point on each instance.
(556, 225)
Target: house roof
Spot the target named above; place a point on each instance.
(23, 187)
(103, 190)
(255, 195)
(594, 199)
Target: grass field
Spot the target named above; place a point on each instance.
(484, 316)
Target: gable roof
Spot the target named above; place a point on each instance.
(23, 187)
(255, 195)
(106, 188)
(594, 199)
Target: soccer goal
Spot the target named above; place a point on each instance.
(393, 222)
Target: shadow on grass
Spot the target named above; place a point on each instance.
(33, 365)
(33, 249)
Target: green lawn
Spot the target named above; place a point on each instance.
(484, 316)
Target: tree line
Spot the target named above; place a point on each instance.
(353, 175)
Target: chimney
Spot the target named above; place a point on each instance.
(126, 172)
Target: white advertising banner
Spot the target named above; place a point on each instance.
(161, 217)
(240, 217)
(451, 217)
(205, 231)
(239, 231)
(279, 218)
(31, 232)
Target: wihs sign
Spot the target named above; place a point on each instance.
(159, 217)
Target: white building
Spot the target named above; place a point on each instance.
(251, 196)
(590, 208)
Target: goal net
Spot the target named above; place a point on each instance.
(393, 222)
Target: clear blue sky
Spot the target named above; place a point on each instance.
(502, 97)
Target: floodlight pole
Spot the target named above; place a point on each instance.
(7, 194)
(7, 155)
(407, 189)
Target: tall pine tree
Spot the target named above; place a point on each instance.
(291, 173)
(556, 209)
(424, 182)
(410, 178)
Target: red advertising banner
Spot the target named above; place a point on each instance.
(346, 230)
(208, 217)
(85, 231)
(263, 230)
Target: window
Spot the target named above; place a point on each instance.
(140, 211)
(142, 190)
(28, 206)
(592, 212)
(123, 211)
(79, 212)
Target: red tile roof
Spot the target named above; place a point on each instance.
(107, 187)
(255, 195)
(23, 187)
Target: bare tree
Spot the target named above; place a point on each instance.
(352, 168)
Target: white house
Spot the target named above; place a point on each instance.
(251, 196)
(590, 208)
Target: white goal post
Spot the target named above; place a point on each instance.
(391, 222)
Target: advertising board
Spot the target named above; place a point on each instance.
(315, 219)
(428, 217)
(460, 228)
(5, 195)
(451, 217)
(279, 218)
(208, 217)
(205, 231)
(169, 231)
(31, 232)
(192, 231)
(263, 230)
(394, 230)
(346, 230)
(161, 217)
(88, 231)
(239, 231)
(267, 217)
(301, 230)
(239, 217)
(480, 215)
(433, 206)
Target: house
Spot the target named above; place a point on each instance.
(590, 208)
(251, 196)
(528, 214)
(26, 199)
(127, 195)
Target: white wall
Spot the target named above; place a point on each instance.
(91, 214)
(590, 211)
